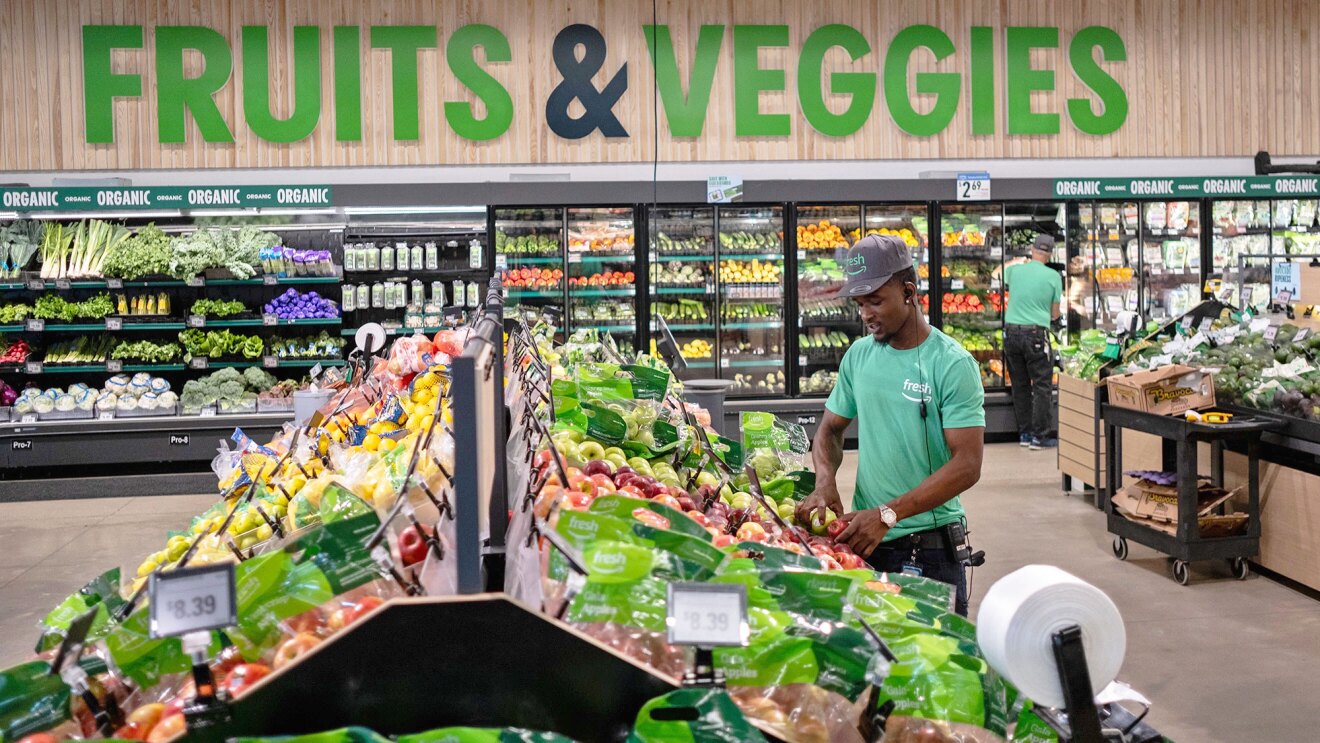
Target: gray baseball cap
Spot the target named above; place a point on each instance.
(872, 262)
(1044, 242)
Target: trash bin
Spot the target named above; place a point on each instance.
(709, 394)
(306, 402)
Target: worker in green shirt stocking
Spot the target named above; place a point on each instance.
(1034, 291)
(917, 397)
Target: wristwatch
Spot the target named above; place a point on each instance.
(888, 516)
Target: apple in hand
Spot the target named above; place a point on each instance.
(835, 527)
(818, 526)
(412, 544)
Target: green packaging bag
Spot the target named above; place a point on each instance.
(484, 735)
(102, 592)
(943, 680)
(31, 700)
(270, 588)
(693, 716)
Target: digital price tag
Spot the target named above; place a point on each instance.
(63, 284)
(270, 279)
(36, 285)
(195, 281)
(34, 325)
(724, 363)
(114, 366)
(802, 361)
(270, 362)
(574, 257)
(114, 283)
(923, 285)
(33, 367)
(269, 320)
(114, 323)
(501, 262)
(198, 362)
(996, 251)
(707, 614)
(196, 321)
(192, 600)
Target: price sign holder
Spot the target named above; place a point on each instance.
(114, 283)
(189, 603)
(706, 615)
(66, 666)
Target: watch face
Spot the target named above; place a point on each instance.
(888, 516)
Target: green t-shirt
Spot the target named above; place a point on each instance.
(1032, 288)
(882, 388)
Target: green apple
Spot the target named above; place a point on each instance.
(618, 460)
(818, 527)
(641, 466)
(786, 510)
(572, 454)
(591, 450)
(707, 478)
(741, 500)
(614, 451)
(264, 532)
(726, 494)
(569, 433)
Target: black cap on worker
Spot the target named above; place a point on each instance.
(873, 261)
(1044, 243)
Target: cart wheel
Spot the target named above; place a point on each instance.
(1181, 573)
(1120, 548)
(1240, 568)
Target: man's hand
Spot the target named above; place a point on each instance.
(865, 531)
(824, 497)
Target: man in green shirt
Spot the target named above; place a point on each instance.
(918, 400)
(1034, 291)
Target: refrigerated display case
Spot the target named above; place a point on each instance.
(1170, 258)
(601, 272)
(1103, 264)
(529, 256)
(682, 282)
(1250, 235)
(827, 323)
(749, 280)
(971, 308)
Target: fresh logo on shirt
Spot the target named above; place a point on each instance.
(921, 389)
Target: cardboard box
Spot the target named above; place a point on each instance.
(1168, 390)
(1147, 500)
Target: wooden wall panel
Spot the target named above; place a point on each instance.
(1204, 78)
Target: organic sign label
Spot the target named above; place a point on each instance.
(1186, 188)
(162, 197)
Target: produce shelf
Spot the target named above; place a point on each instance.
(753, 257)
(349, 332)
(547, 293)
(69, 368)
(701, 364)
(256, 281)
(311, 362)
(681, 290)
(753, 325)
(279, 281)
(808, 322)
(678, 328)
(532, 260)
(745, 364)
(12, 328)
(601, 292)
(153, 367)
(257, 322)
(675, 258)
(629, 327)
(593, 258)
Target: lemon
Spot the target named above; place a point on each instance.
(386, 444)
(371, 442)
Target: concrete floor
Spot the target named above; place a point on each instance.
(1223, 660)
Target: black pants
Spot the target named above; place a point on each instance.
(1031, 371)
(936, 564)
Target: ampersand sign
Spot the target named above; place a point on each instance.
(598, 104)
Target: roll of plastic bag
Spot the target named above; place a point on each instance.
(1020, 615)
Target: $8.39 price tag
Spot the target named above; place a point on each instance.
(192, 600)
(707, 614)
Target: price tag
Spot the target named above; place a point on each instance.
(207, 412)
(1206, 324)
(270, 279)
(63, 284)
(1271, 332)
(1301, 335)
(574, 257)
(29, 418)
(806, 420)
(957, 284)
(501, 262)
(198, 362)
(973, 186)
(105, 415)
(707, 614)
(196, 321)
(36, 285)
(114, 366)
(994, 283)
(192, 600)
(269, 320)
(802, 255)
(724, 363)
(34, 325)
(802, 361)
(316, 371)
(32, 367)
(270, 362)
(114, 283)
(996, 251)
(195, 281)
(114, 323)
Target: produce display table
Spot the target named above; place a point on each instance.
(1180, 439)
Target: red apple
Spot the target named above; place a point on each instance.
(542, 459)
(794, 547)
(713, 532)
(668, 500)
(685, 501)
(698, 517)
(650, 518)
(751, 532)
(842, 549)
(849, 561)
(632, 490)
(828, 562)
(604, 485)
(625, 470)
(578, 500)
(239, 680)
(723, 540)
(168, 728)
(597, 467)
(412, 544)
(835, 528)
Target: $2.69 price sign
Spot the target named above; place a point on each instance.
(707, 614)
(192, 600)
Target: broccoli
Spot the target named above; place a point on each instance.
(195, 394)
(225, 375)
(230, 389)
(258, 379)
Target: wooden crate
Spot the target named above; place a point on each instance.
(1078, 441)
(1289, 518)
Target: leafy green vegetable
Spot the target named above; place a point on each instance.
(146, 351)
(146, 253)
(55, 307)
(14, 313)
(217, 308)
(238, 251)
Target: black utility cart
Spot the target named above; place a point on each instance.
(1180, 439)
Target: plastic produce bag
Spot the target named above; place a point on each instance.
(693, 716)
(944, 692)
(31, 700)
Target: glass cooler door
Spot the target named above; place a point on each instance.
(1170, 259)
(1240, 249)
(972, 239)
(529, 256)
(602, 288)
(827, 324)
(1107, 251)
(750, 287)
(683, 282)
